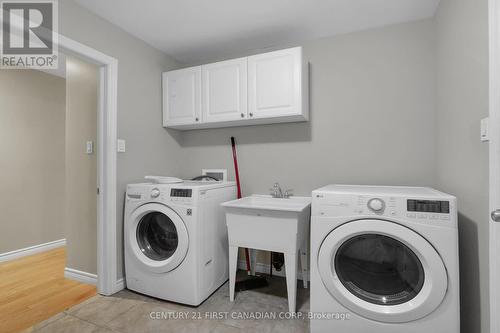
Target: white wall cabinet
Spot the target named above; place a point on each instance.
(182, 97)
(224, 86)
(261, 89)
(274, 84)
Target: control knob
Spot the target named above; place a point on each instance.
(376, 205)
(155, 193)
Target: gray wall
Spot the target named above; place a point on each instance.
(81, 168)
(150, 148)
(372, 98)
(372, 120)
(32, 113)
(462, 160)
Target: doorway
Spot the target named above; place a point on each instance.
(48, 234)
(107, 281)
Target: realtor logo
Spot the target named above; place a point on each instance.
(29, 34)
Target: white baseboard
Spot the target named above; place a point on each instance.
(83, 277)
(264, 269)
(27, 251)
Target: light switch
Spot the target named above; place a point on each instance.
(485, 136)
(121, 146)
(90, 147)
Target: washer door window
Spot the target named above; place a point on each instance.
(157, 237)
(382, 271)
(379, 269)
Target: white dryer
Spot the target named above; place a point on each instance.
(175, 239)
(384, 260)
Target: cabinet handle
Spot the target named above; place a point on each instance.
(196, 119)
(242, 115)
(251, 114)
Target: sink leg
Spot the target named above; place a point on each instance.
(303, 266)
(233, 265)
(291, 280)
(253, 261)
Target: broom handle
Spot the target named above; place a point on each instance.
(238, 186)
(236, 172)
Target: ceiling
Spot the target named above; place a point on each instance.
(194, 31)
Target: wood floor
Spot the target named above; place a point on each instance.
(33, 289)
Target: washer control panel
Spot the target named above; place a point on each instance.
(165, 194)
(155, 193)
(181, 193)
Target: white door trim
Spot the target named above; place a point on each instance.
(494, 157)
(107, 282)
(106, 138)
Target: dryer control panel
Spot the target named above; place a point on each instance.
(428, 206)
(420, 210)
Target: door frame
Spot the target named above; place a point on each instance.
(107, 281)
(494, 163)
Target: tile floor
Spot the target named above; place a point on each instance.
(129, 312)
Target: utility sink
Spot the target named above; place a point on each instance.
(272, 224)
(268, 203)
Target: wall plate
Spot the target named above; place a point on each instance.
(220, 174)
(120, 145)
(90, 147)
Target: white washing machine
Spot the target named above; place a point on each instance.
(384, 260)
(175, 239)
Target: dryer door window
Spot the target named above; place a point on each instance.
(157, 236)
(382, 270)
(379, 269)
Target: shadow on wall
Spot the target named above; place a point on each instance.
(274, 133)
(470, 299)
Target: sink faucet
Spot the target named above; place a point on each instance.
(277, 192)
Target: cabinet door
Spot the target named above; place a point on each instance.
(274, 84)
(182, 97)
(225, 90)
